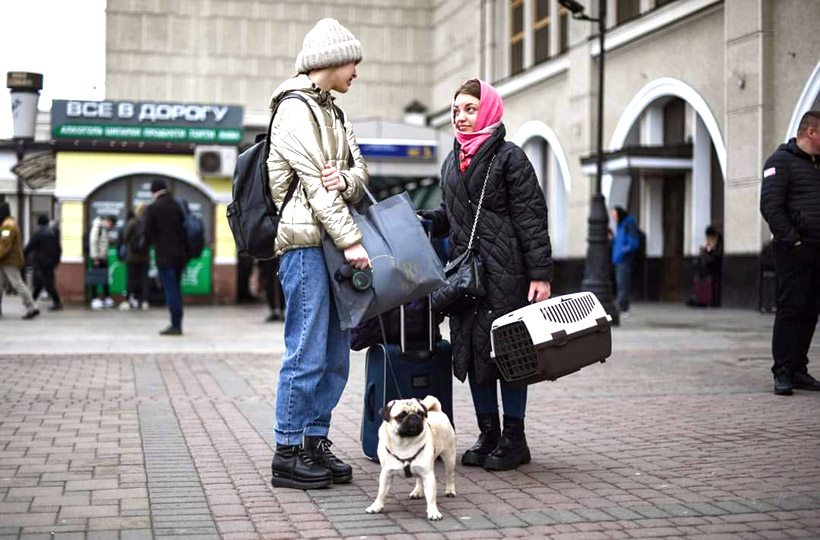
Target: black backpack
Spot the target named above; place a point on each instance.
(252, 215)
(137, 241)
(194, 232)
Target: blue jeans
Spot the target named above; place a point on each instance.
(317, 351)
(485, 397)
(623, 281)
(171, 283)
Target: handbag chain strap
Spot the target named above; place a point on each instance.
(480, 202)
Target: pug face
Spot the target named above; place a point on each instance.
(405, 417)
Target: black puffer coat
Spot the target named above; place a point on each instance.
(165, 230)
(512, 239)
(790, 195)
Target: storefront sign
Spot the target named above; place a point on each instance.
(140, 121)
(398, 151)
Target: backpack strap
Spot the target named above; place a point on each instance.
(303, 99)
(350, 161)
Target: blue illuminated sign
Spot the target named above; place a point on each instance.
(398, 151)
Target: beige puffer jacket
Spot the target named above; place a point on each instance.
(98, 239)
(299, 145)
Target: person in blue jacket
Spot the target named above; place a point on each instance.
(624, 246)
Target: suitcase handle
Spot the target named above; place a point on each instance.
(428, 228)
(368, 401)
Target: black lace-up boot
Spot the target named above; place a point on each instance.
(318, 448)
(293, 468)
(490, 433)
(512, 450)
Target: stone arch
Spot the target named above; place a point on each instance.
(807, 100)
(177, 173)
(659, 88)
(558, 198)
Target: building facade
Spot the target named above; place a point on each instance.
(697, 94)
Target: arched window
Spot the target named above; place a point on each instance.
(550, 173)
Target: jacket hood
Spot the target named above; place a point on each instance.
(300, 83)
(792, 148)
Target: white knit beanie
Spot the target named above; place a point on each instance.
(328, 44)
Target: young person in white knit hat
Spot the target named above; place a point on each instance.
(311, 143)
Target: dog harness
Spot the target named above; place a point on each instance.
(407, 462)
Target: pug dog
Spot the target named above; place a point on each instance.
(413, 434)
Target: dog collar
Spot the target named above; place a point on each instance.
(406, 462)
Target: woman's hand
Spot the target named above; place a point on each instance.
(331, 178)
(357, 257)
(539, 290)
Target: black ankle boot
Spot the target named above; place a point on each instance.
(489, 434)
(318, 448)
(293, 468)
(512, 450)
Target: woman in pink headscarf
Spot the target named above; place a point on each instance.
(513, 244)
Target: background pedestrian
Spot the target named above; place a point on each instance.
(624, 245)
(12, 260)
(46, 251)
(269, 273)
(707, 271)
(790, 204)
(98, 243)
(165, 230)
(137, 260)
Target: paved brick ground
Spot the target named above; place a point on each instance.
(677, 436)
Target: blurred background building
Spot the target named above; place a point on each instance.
(698, 93)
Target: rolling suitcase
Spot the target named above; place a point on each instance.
(393, 371)
(703, 291)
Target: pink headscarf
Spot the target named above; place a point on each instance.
(490, 111)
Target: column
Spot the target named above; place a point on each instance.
(700, 209)
(749, 113)
(652, 186)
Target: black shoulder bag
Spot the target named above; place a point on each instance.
(464, 274)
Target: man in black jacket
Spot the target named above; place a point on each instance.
(790, 204)
(165, 230)
(45, 245)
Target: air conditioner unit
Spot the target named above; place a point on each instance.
(211, 161)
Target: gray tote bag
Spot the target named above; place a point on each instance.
(405, 266)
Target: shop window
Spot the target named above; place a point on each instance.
(516, 36)
(563, 30)
(541, 30)
(628, 9)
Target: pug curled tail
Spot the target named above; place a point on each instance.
(431, 404)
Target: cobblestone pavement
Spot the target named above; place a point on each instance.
(677, 435)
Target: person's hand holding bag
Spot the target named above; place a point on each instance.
(357, 256)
